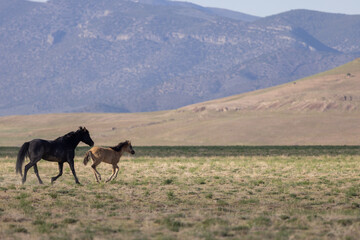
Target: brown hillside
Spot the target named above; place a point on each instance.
(335, 90)
(319, 110)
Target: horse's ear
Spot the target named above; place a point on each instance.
(81, 128)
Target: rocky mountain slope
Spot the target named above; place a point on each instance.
(319, 110)
(147, 55)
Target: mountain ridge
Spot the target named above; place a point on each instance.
(309, 111)
(68, 56)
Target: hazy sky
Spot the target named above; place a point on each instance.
(264, 8)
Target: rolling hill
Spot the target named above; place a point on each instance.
(319, 110)
(150, 55)
(337, 90)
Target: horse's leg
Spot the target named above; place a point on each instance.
(28, 166)
(96, 173)
(61, 164)
(117, 171)
(71, 163)
(96, 161)
(37, 173)
(113, 173)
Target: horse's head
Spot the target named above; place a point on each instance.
(85, 136)
(128, 147)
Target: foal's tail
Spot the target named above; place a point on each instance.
(87, 157)
(23, 152)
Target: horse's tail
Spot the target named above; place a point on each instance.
(87, 157)
(23, 152)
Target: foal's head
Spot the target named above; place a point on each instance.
(128, 147)
(124, 146)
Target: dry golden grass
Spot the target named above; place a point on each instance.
(211, 128)
(187, 198)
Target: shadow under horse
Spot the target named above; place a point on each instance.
(59, 150)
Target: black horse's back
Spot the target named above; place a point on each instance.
(39, 147)
(23, 152)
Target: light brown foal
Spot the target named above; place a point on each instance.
(109, 155)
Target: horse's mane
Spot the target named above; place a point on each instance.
(118, 147)
(67, 136)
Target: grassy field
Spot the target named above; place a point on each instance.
(258, 196)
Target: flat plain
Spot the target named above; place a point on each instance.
(179, 196)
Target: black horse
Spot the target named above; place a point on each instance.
(59, 150)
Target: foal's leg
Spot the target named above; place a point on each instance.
(114, 171)
(117, 171)
(61, 164)
(96, 173)
(37, 173)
